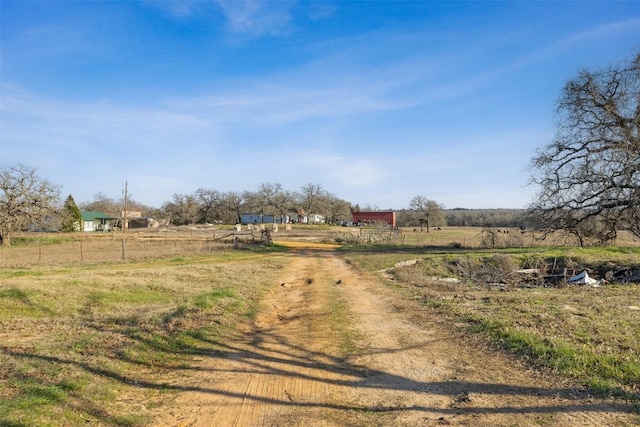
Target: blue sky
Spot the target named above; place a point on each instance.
(375, 101)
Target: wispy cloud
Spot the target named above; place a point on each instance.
(581, 38)
(177, 8)
(321, 9)
(244, 18)
(94, 122)
(257, 17)
(276, 105)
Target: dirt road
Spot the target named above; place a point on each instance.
(333, 346)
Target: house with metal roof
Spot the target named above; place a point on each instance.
(97, 221)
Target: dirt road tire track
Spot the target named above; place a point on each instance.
(404, 368)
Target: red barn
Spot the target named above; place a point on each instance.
(388, 217)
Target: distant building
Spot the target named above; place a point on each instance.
(134, 219)
(97, 221)
(253, 218)
(131, 214)
(139, 222)
(388, 217)
(315, 219)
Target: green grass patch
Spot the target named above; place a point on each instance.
(14, 293)
(48, 239)
(603, 372)
(340, 325)
(214, 298)
(20, 273)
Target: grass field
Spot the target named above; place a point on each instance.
(588, 334)
(89, 342)
(80, 340)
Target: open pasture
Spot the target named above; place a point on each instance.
(64, 248)
(108, 342)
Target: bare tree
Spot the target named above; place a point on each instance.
(338, 209)
(211, 205)
(182, 210)
(284, 203)
(591, 171)
(234, 204)
(490, 237)
(102, 203)
(429, 212)
(312, 198)
(26, 200)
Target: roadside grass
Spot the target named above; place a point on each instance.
(587, 334)
(102, 343)
(339, 318)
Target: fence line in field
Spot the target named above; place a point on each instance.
(105, 250)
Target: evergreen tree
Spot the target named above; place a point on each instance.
(71, 216)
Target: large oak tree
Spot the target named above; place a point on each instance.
(589, 175)
(26, 200)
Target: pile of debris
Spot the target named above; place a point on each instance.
(623, 275)
(572, 276)
(503, 271)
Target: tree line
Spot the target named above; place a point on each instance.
(213, 206)
(31, 203)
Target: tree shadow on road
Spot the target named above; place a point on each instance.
(272, 357)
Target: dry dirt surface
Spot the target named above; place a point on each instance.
(387, 362)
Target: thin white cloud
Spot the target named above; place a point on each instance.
(257, 17)
(319, 10)
(244, 18)
(103, 139)
(570, 42)
(176, 8)
(277, 103)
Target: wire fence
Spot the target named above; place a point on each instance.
(111, 248)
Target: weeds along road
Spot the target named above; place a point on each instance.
(335, 346)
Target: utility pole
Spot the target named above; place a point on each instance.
(124, 211)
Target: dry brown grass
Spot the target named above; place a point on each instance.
(65, 248)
